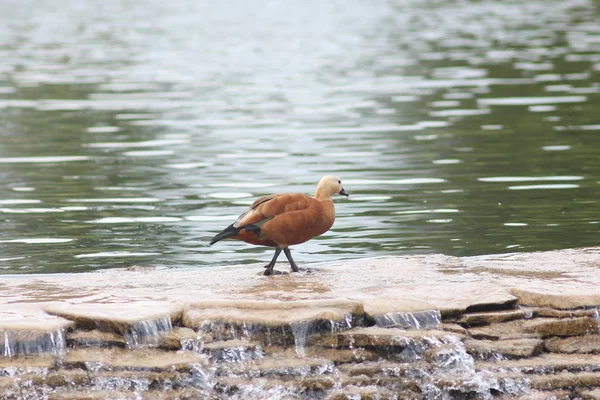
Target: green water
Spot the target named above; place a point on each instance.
(132, 132)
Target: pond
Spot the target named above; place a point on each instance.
(132, 132)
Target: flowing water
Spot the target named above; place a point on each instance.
(132, 132)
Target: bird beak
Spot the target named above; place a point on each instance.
(344, 193)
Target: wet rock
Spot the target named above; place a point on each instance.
(539, 327)
(545, 327)
(409, 312)
(271, 322)
(383, 368)
(565, 379)
(552, 313)
(140, 323)
(317, 383)
(549, 362)
(180, 338)
(279, 365)
(453, 328)
(31, 342)
(506, 348)
(381, 337)
(487, 318)
(233, 351)
(543, 298)
(593, 394)
(341, 356)
(24, 362)
(576, 344)
(63, 377)
(429, 319)
(138, 359)
(367, 393)
(29, 317)
(26, 330)
(538, 395)
(269, 313)
(95, 338)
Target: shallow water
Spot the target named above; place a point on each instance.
(132, 132)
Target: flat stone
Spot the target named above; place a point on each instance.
(381, 306)
(366, 393)
(26, 330)
(545, 327)
(575, 344)
(486, 318)
(545, 362)
(342, 356)
(271, 322)
(270, 313)
(558, 301)
(280, 365)
(453, 328)
(504, 330)
(538, 327)
(24, 362)
(94, 338)
(383, 337)
(114, 317)
(552, 313)
(233, 351)
(30, 317)
(86, 394)
(138, 359)
(565, 379)
(507, 348)
(177, 338)
(535, 394)
(75, 377)
(593, 394)
(379, 368)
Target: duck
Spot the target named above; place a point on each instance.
(285, 219)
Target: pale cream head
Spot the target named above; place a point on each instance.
(328, 186)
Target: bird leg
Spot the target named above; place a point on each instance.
(269, 267)
(288, 254)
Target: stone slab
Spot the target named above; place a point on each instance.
(134, 359)
(115, 317)
(549, 298)
(508, 348)
(269, 313)
(576, 344)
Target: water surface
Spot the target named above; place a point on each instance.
(133, 132)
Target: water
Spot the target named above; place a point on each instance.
(132, 133)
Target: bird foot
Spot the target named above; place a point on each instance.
(274, 272)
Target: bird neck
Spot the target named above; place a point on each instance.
(322, 196)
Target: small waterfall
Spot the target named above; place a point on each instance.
(303, 329)
(147, 333)
(453, 372)
(596, 316)
(16, 343)
(430, 319)
(236, 354)
(202, 377)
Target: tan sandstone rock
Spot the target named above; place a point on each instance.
(575, 344)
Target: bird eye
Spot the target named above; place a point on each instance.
(339, 181)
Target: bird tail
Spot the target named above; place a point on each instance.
(228, 232)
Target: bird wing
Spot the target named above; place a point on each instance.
(268, 207)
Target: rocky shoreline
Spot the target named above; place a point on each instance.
(512, 326)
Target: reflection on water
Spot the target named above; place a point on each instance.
(132, 133)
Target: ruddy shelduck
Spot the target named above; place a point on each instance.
(285, 219)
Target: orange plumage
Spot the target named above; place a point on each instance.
(282, 220)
